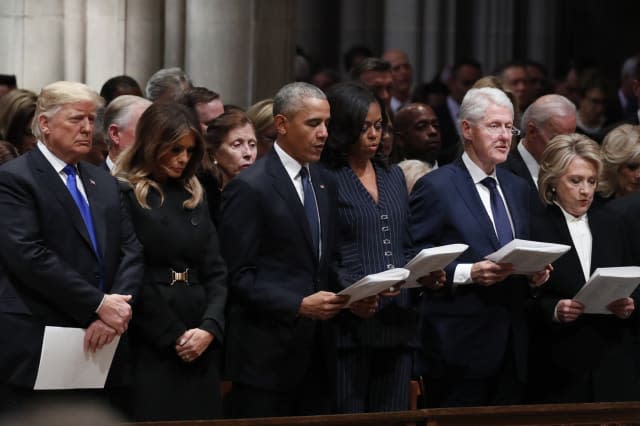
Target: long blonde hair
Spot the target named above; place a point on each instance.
(159, 128)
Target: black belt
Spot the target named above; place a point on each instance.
(168, 276)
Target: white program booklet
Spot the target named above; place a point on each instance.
(374, 284)
(527, 256)
(431, 259)
(65, 365)
(607, 285)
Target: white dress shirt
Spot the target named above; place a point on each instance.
(530, 162)
(462, 274)
(58, 165)
(293, 167)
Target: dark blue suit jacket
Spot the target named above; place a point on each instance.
(49, 272)
(266, 242)
(468, 327)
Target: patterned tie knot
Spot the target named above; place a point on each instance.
(304, 173)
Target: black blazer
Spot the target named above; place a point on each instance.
(590, 359)
(266, 242)
(516, 165)
(451, 144)
(49, 273)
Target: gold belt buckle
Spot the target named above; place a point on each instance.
(179, 276)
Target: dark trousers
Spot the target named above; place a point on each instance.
(373, 379)
(313, 396)
(454, 390)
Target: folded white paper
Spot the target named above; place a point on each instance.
(607, 285)
(65, 365)
(431, 259)
(374, 284)
(527, 256)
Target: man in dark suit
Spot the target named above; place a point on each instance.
(547, 117)
(69, 256)
(277, 237)
(474, 327)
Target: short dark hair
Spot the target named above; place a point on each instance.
(353, 53)
(470, 62)
(8, 80)
(197, 95)
(349, 104)
(370, 64)
(112, 86)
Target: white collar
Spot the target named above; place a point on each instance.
(291, 165)
(477, 174)
(571, 218)
(55, 162)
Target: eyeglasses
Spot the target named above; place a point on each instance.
(496, 129)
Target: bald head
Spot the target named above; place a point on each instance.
(417, 132)
(547, 117)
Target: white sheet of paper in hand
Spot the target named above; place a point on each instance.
(528, 256)
(431, 259)
(607, 285)
(374, 284)
(65, 365)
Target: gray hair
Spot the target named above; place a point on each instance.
(476, 102)
(545, 108)
(629, 66)
(370, 64)
(167, 81)
(119, 112)
(289, 98)
(58, 94)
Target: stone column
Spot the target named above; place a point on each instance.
(144, 48)
(241, 49)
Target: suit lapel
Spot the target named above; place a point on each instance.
(512, 199)
(467, 189)
(96, 206)
(48, 178)
(564, 237)
(323, 204)
(285, 190)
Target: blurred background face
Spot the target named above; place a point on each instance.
(401, 72)
(237, 151)
(379, 82)
(516, 80)
(464, 80)
(628, 179)
(575, 188)
(592, 106)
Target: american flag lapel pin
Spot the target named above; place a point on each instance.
(321, 186)
(92, 182)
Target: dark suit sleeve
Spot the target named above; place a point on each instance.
(242, 234)
(30, 262)
(130, 269)
(427, 220)
(213, 273)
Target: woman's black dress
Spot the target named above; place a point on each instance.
(174, 237)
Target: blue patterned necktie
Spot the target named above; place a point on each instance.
(499, 211)
(82, 204)
(311, 208)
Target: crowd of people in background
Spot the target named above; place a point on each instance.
(215, 239)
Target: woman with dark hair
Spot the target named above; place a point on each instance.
(179, 311)
(377, 336)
